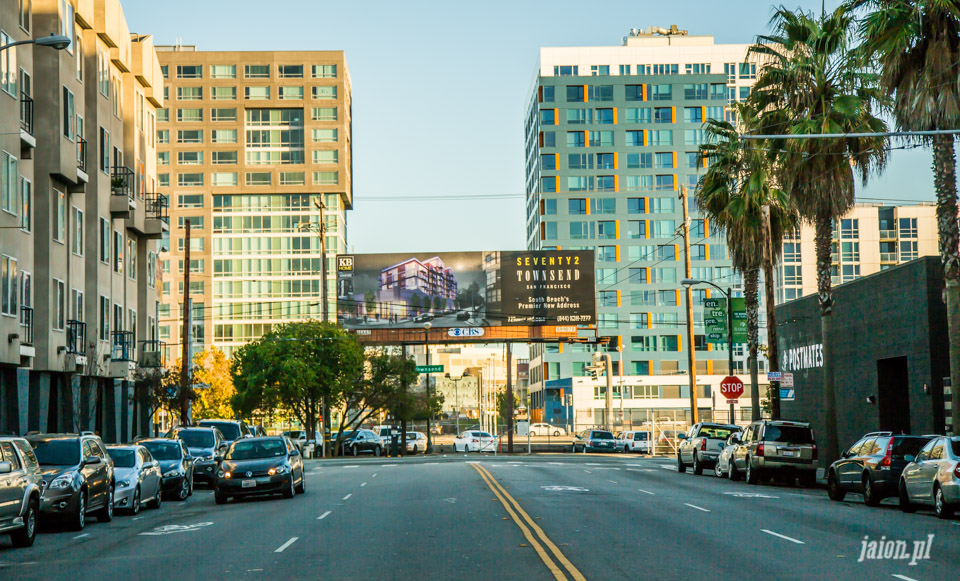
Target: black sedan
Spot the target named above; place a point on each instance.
(258, 466)
(176, 465)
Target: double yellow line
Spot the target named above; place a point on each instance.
(533, 533)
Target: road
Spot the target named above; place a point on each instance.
(468, 517)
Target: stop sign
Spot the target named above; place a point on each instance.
(731, 387)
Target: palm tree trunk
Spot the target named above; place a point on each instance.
(750, 284)
(773, 352)
(824, 238)
(945, 181)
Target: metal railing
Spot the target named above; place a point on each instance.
(26, 112)
(122, 181)
(82, 154)
(26, 326)
(76, 336)
(158, 207)
(124, 346)
(888, 233)
(152, 354)
(888, 257)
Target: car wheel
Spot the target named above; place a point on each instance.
(732, 473)
(870, 495)
(289, 492)
(191, 486)
(717, 471)
(219, 497)
(355, 451)
(25, 535)
(574, 451)
(681, 467)
(302, 487)
(106, 513)
(184, 490)
(752, 476)
(697, 464)
(415, 449)
(833, 487)
(158, 501)
(940, 505)
(377, 451)
(135, 507)
(905, 504)
(79, 517)
(556, 433)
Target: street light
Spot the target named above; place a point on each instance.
(426, 350)
(690, 282)
(54, 41)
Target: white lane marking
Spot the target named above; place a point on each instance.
(557, 463)
(352, 466)
(362, 485)
(612, 481)
(387, 465)
(785, 537)
(139, 517)
(81, 536)
(348, 496)
(557, 488)
(284, 546)
(374, 475)
(904, 577)
(646, 492)
(669, 467)
(696, 507)
(324, 515)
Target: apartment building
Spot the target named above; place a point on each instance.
(254, 151)
(612, 134)
(870, 238)
(80, 220)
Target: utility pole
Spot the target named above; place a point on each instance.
(509, 401)
(426, 351)
(773, 350)
(403, 406)
(730, 343)
(185, 391)
(691, 355)
(324, 312)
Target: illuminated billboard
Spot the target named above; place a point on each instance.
(465, 289)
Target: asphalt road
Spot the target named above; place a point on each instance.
(458, 517)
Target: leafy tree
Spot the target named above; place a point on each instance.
(158, 389)
(370, 298)
(437, 304)
(415, 304)
(916, 44)
(211, 367)
(812, 82)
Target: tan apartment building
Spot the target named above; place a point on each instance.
(870, 238)
(79, 219)
(255, 152)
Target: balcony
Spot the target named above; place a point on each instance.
(26, 332)
(123, 354)
(888, 234)
(76, 339)
(157, 221)
(888, 257)
(122, 192)
(27, 140)
(151, 354)
(82, 160)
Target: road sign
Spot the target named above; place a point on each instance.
(732, 388)
(465, 331)
(787, 394)
(429, 368)
(774, 376)
(739, 320)
(787, 380)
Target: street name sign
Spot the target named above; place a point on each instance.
(429, 368)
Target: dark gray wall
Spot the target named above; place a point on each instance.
(895, 313)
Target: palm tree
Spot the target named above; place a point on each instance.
(811, 83)
(916, 44)
(738, 183)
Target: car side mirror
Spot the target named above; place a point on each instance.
(223, 446)
(735, 440)
(681, 436)
(218, 458)
(6, 467)
(909, 457)
(149, 465)
(294, 452)
(92, 461)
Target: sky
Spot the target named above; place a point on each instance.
(440, 91)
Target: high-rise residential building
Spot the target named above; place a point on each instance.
(79, 221)
(868, 239)
(254, 151)
(612, 134)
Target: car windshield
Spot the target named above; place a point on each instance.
(197, 438)
(123, 458)
(348, 434)
(602, 436)
(790, 434)
(230, 430)
(295, 434)
(253, 449)
(57, 452)
(164, 450)
(903, 447)
(717, 432)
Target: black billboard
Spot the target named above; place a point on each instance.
(553, 287)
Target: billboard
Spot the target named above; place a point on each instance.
(465, 289)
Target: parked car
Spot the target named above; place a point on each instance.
(776, 446)
(872, 466)
(547, 429)
(298, 437)
(79, 479)
(176, 465)
(21, 486)
(231, 429)
(635, 441)
(594, 441)
(356, 442)
(384, 433)
(416, 442)
(463, 316)
(256, 466)
(475, 441)
(724, 463)
(933, 478)
(701, 446)
(138, 478)
(423, 318)
(203, 444)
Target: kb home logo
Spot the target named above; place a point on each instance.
(344, 264)
(800, 358)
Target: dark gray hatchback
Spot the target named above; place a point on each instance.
(872, 466)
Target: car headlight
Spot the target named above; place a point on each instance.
(222, 474)
(62, 481)
(123, 484)
(277, 470)
(174, 472)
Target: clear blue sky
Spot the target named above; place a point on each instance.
(439, 91)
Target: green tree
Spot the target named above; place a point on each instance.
(415, 304)
(812, 82)
(437, 304)
(212, 367)
(916, 44)
(155, 389)
(738, 183)
(370, 298)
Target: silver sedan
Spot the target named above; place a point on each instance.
(138, 479)
(933, 478)
(416, 442)
(724, 465)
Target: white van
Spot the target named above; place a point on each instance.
(639, 441)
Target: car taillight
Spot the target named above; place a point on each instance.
(474, 441)
(956, 470)
(760, 449)
(888, 456)
(590, 442)
(814, 451)
(703, 444)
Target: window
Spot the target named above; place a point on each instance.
(152, 268)
(575, 94)
(104, 241)
(324, 92)
(256, 93)
(581, 230)
(223, 179)
(190, 201)
(224, 158)
(258, 178)
(8, 286)
(663, 228)
(566, 71)
(607, 253)
(163, 115)
(548, 184)
(132, 258)
(60, 218)
(698, 252)
(223, 94)
(607, 229)
(196, 222)
(223, 71)
(549, 230)
(601, 138)
(104, 318)
(695, 91)
(291, 93)
(290, 71)
(26, 205)
(693, 114)
(117, 252)
(324, 71)
(190, 93)
(604, 205)
(324, 135)
(748, 71)
(25, 11)
(163, 136)
(576, 139)
(579, 116)
(548, 161)
(694, 137)
(577, 206)
(669, 342)
(638, 276)
(229, 114)
(606, 276)
(662, 205)
(77, 242)
(223, 136)
(189, 72)
(661, 92)
(549, 138)
(600, 70)
(579, 161)
(326, 178)
(634, 92)
(190, 180)
(163, 180)
(663, 160)
(76, 304)
(9, 176)
(190, 157)
(163, 158)
(661, 137)
(636, 229)
(69, 115)
(60, 307)
(637, 115)
(549, 207)
(548, 117)
(292, 178)
(849, 229)
(601, 93)
(323, 114)
(190, 136)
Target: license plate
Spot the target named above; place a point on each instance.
(248, 484)
(788, 453)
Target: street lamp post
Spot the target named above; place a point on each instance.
(689, 282)
(54, 41)
(321, 230)
(426, 350)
